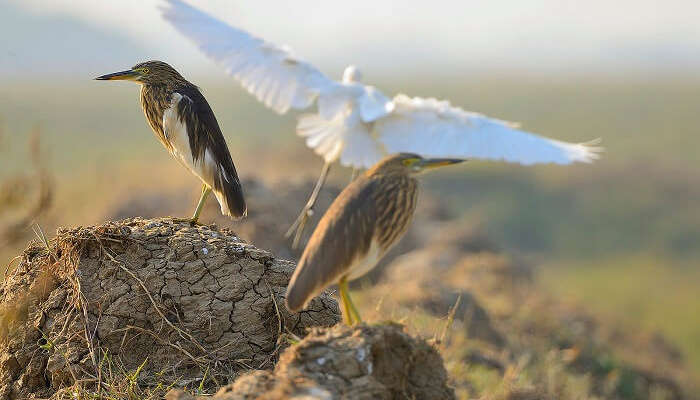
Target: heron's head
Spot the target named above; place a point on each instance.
(410, 164)
(352, 74)
(148, 73)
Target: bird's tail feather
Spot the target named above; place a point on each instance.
(301, 289)
(297, 296)
(229, 193)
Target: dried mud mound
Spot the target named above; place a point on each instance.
(277, 205)
(364, 362)
(173, 301)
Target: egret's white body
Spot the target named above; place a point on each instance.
(355, 123)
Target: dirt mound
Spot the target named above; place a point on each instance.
(161, 298)
(273, 208)
(272, 211)
(365, 362)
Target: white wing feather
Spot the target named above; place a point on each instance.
(324, 136)
(345, 137)
(434, 128)
(356, 123)
(374, 104)
(269, 72)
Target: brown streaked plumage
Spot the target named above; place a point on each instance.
(184, 123)
(368, 217)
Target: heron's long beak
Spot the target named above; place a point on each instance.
(431, 163)
(128, 75)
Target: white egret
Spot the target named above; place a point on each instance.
(355, 123)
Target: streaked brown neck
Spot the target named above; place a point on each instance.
(155, 99)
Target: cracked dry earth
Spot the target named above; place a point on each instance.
(180, 300)
(362, 362)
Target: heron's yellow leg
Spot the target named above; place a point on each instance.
(205, 192)
(347, 313)
(354, 316)
(297, 228)
(347, 316)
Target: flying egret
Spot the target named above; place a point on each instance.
(355, 123)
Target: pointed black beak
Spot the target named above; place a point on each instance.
(430, 163)
(128, 75)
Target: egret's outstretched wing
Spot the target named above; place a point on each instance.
(335, 139)
(434, 128)
(269, 72)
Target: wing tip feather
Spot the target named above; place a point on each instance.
(586, 152)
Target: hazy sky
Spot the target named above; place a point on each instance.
(408, 35)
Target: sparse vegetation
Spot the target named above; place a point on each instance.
(24, 195)
(532, 344)
(612, 309)
(165, 301)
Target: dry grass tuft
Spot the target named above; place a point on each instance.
(137, 306)
(25, 195)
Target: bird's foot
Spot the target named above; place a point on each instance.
(297, 228)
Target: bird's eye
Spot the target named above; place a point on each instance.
(409, 161)
(144, 70)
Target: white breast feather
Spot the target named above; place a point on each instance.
(176, 133)
(366, 263)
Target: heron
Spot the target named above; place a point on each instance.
(355, 123)
(185, 124)
(366, 219)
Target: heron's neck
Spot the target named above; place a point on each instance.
(156, 96)
(155, 99)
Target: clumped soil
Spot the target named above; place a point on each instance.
(276, 207)
(168, 300)
(502, 337)
(362, 362)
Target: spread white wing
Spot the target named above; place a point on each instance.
(357, 124)
(271, 73)
(434, 128)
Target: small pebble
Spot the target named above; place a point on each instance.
(361, 354)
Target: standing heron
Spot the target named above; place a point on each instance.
(184, 123)
(366, 219)
(356, 124)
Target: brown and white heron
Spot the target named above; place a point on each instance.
(366, 219)
(185, 124)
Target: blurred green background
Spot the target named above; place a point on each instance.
(621, 235)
